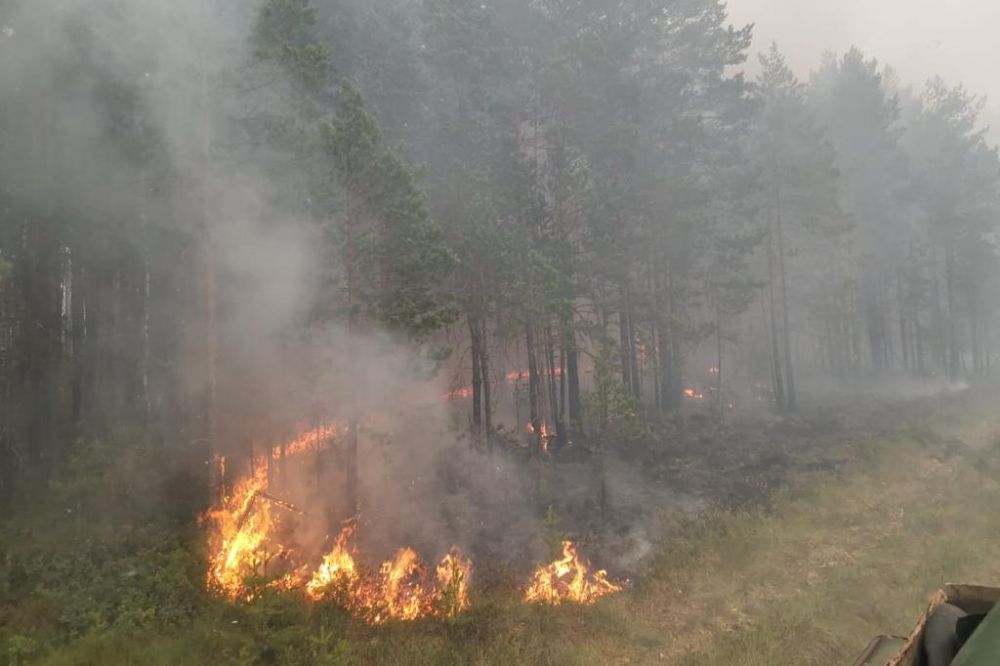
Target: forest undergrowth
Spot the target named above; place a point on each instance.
(106, 570)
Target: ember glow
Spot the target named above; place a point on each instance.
(243, 537)
(568, 579)
(694, 395)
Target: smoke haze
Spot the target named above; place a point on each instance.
(919, 39)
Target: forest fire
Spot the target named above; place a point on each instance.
(400, 589)
(462, 393)
(309, 441)
(693, 394)
(544, 430)
(243, 535)
(545, 434)
(568, 579)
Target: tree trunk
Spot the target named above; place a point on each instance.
(952, 345)
(786, 328)
(533, 387)
(776, 371)
(484, 373)
(719, 403)
(550, 362)
(475, 341)
(573, 379)
(211, 447)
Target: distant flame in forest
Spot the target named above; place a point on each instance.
(243, 537)
(518, 375)
(694, 395)
(568, 579)
(545, 434)
(544, 429)
(463, 393)
(309, 441)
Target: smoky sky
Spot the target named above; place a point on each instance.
(919, 39)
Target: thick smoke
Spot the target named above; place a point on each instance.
(420, 482)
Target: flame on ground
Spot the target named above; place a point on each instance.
(400, 589)
(694, 395)
(239, 530)
(567, 579)
(243, 537)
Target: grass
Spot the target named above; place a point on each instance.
(835, 559)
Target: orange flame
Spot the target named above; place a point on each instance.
(310, 441)
(400, 589)
(462, 393)
(242, 538)
(240, 529)
(544, 429)
(518, 375)
(694, 395)
(337, 569)
(545, 434)
(567, 579)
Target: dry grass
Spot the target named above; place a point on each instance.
(836, 561)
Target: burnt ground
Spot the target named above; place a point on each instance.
(682, 469)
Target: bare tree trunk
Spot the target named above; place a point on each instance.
(77, 336)
(550, 362)
(475, 342)
(484, 373)
(719, 402)
(573, 379)
(533, 387)
(777, 373)
(953, 350)
(352, 500)
(786, 328)
(211, 447)
(147, 402)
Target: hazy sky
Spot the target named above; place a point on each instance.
(959, 40)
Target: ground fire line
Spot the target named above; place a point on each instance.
(244, 544)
